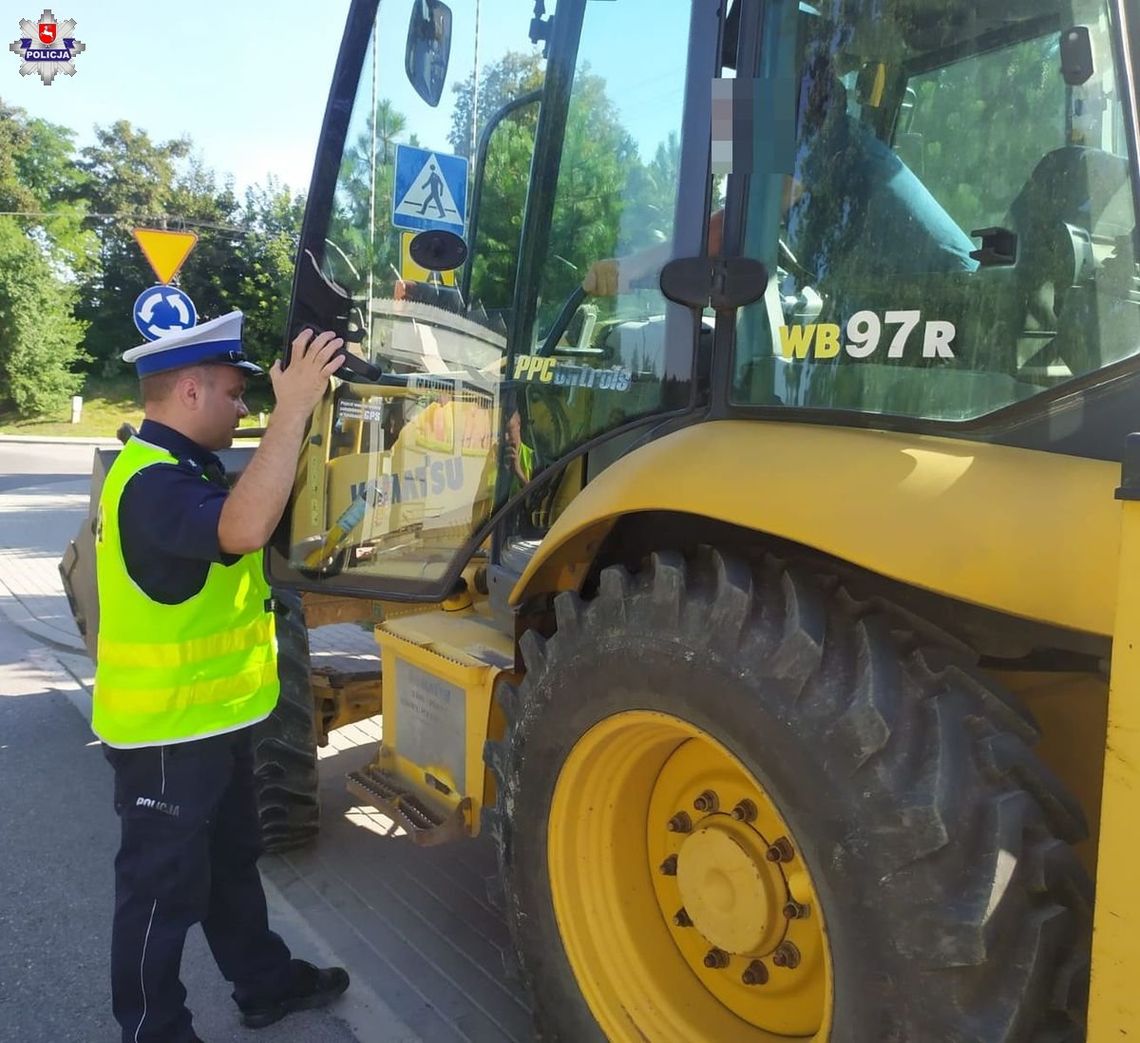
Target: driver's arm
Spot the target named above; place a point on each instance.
(609, 277)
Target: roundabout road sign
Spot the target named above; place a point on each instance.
(160, 310)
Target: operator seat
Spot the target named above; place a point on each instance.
(1076, 195)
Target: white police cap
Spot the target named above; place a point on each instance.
(217, 342)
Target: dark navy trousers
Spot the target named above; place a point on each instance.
(189, 849)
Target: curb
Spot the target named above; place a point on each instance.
(23, 620)
(367, 1016)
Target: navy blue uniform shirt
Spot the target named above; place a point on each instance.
(168, 518)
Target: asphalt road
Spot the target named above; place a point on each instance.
(40, 463)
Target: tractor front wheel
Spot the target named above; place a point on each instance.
(737, 803)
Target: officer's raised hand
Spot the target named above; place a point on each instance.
(313, 359)
(258, 500)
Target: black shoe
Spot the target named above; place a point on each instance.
(311, 987)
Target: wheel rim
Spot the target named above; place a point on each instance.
(684, 905)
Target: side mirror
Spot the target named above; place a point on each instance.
(428, 49)
(438, 250)
(1076, 55)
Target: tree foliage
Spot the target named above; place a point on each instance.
(70, 269)
(42, 246)
(981, 125)
(39, 338)
(515, 74)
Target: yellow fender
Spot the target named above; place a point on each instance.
(1029, 533)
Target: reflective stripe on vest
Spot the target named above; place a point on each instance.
(169, 673)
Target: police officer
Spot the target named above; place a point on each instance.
(186, 665)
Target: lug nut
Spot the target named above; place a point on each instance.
(781, 851)
(755, 974)
(795, 911)
(716, 959)
(745, 811)
(669, 866)
(707, 802)
(680, 823)
(786, 955)
(681, 918)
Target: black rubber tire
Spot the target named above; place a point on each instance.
(905, 774)
(285, 743)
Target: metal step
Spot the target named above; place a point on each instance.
(425, 825)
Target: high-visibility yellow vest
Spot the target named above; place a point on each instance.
(168, 673)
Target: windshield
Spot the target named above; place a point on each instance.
(953, 212)
(441, 204)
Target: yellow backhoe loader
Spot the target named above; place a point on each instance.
(750, 516)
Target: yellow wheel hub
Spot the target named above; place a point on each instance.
(685, 908)
(729, 889)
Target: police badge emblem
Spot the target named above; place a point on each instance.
(47, 47)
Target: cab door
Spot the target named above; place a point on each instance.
(476, 164)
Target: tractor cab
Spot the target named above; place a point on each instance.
(940, 194)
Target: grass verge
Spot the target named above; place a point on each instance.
(107, 403)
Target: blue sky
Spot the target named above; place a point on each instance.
(249, 82)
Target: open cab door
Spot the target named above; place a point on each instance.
(453, 216)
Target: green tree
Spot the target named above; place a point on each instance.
(494, 254)
(199, 202)
(515, 74)
(390, 125)
(361, 238)
(40, 180)
(503, 198)
(652, 194)
(39, 338)
(982, 125)
(133, 179)
(42, 248)
(264, 261)
(15, 194)
(599, 164)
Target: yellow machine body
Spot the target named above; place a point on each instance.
(985, 524)
(1114, 1012)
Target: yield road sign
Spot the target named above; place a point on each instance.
(165, 251)
(429, 190)
(160, 310)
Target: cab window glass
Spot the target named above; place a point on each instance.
(598, 356)
(401, 465)
(950, 225)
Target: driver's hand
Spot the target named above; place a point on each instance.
(602, 279)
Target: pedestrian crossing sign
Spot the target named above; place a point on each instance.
(429, 190)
